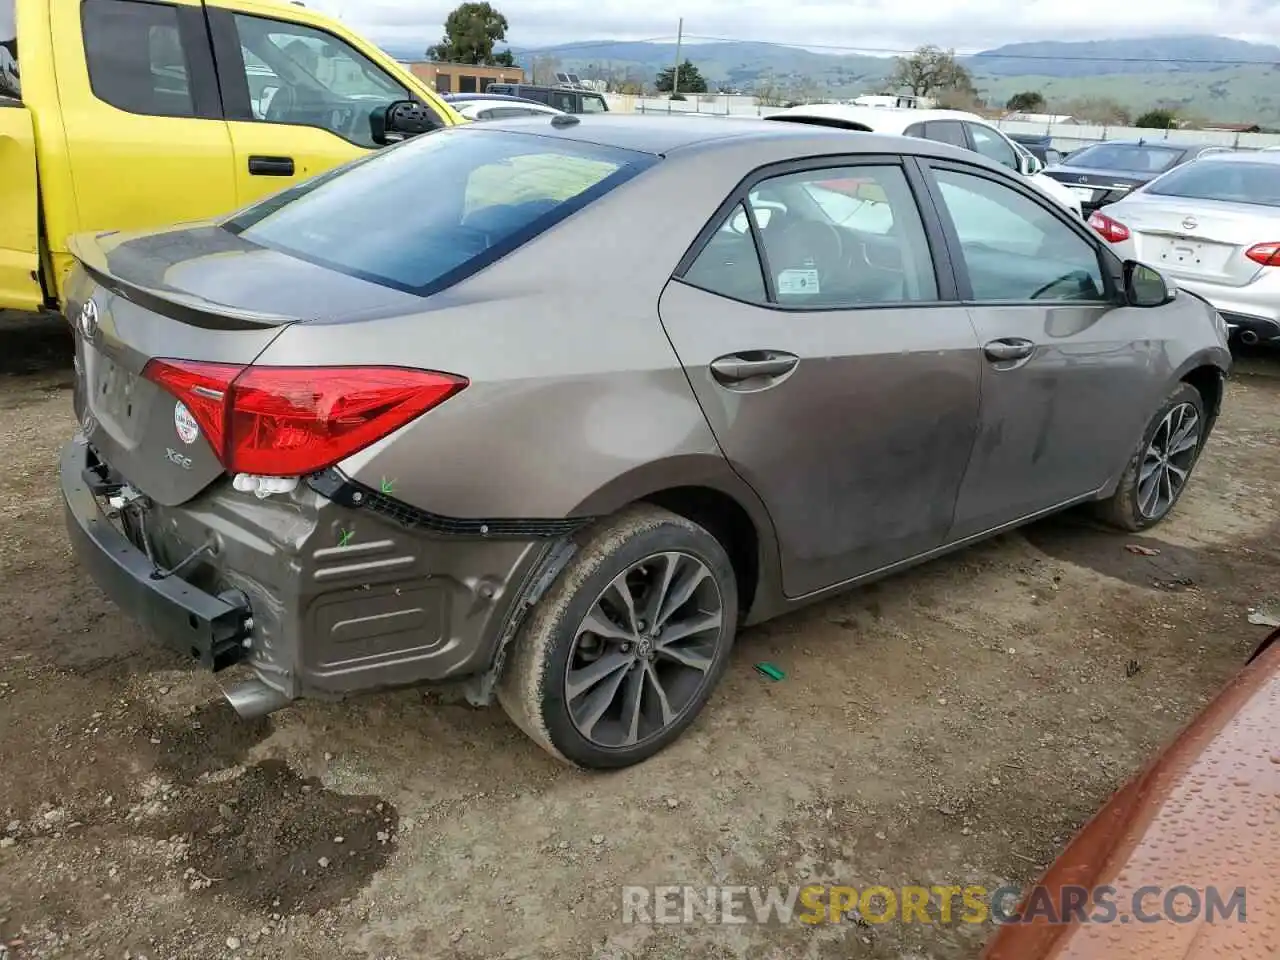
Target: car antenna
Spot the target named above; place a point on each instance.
(564, 120)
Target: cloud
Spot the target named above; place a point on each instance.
(859, 25)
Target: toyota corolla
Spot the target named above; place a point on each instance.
(554, 407)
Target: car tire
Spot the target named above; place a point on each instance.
(659, 694)
(1135, 506)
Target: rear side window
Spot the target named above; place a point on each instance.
(136, 59)
(946, 131)
(10, 88)
(485, 193)
(594, 104)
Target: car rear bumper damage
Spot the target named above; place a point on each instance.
(318, 598)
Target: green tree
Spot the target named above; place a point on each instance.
(691, 81)
(1029, 101)
(931, 69)
(1159, 119)
(470, 33)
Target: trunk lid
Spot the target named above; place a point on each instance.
(181, 294)
(1198, 239)
(1093, 188)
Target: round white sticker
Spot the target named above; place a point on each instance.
(188, 429)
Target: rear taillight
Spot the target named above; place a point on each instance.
(1267, 254)
(1113, 231)
(292, 421)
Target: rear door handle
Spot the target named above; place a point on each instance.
(271, 166)
(1009, 348)
(752, 364)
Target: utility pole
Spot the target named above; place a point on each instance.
(675, 75)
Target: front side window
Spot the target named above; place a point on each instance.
(135, 57)
(991, 145)
(10, 87)
(1015, 249)
(594, 103)
(568, 102)
(319, 80)
(490, 192)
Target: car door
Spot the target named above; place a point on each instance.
(145, 139)
(834, 366)
(317, 116)
(1062, 383)
(19, 225)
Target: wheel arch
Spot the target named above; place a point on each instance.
(704, 489)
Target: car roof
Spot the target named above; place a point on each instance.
(661, 135)
(878, 119)
(465, 97)
(1157, 142)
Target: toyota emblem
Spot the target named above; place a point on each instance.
(1190, 223)
(89, 318)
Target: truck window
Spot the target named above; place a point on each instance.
(319, 80)
(594, 103)
(135, 56)
(10, 89)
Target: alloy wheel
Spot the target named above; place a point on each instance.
(1168, 459)
(645, 650)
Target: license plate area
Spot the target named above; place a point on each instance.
(1193, 256)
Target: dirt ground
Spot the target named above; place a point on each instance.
(954, 724)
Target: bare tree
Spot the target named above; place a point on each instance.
(930, 69)
(543, 69)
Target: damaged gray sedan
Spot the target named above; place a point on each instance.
(553, 408)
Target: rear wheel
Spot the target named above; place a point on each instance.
(1159, 470)
(623, 651)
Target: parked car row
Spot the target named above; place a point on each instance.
(1213, 226)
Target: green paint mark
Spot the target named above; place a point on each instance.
(344, 537)
(387, 486)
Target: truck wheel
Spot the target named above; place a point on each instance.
(1161, 465)
(620, 655)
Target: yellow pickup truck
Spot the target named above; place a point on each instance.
(120, 114)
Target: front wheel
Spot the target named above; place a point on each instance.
(1159, 470)
(623, 651)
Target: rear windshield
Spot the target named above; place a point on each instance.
(1256, 183)
(1125, 156)
(9, 85)
(425, 214)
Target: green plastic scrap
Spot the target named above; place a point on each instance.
(387, 486)
(344, 537)
(770, 671)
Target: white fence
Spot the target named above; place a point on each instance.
(1066, 136)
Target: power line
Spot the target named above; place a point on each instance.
(570, 49)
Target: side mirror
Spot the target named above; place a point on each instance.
(1145, 286)
(400, 121)
(1028, 164)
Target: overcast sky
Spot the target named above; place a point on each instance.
(969, 25)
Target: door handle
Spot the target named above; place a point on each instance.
(737, 367)
(271, 166)
(1009, 348)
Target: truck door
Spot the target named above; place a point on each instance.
(19, 227)
(298, 97)
(145, 138)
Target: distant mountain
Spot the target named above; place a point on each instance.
(1055, 58)
(1202, 76)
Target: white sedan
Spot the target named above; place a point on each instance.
(965, 130)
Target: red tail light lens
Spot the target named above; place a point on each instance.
(1113, 231)
(292, 421)
(1267, 254)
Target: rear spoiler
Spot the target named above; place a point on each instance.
(127, 266)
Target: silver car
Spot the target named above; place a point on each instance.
(1213, 225)
(597, 394)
